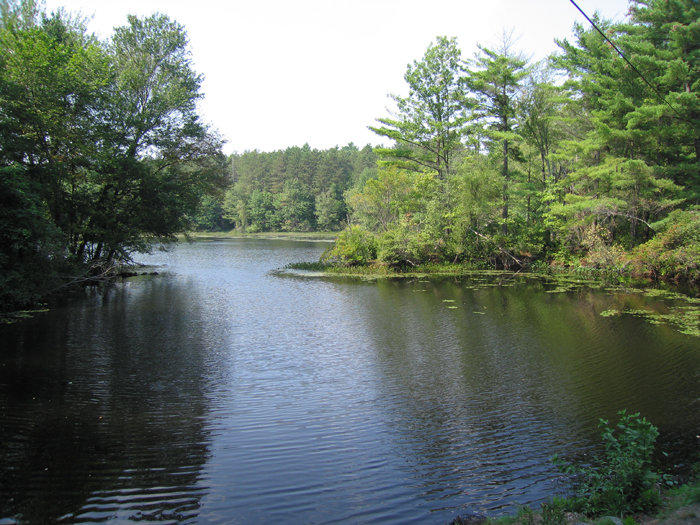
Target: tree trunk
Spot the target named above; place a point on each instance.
(505, 187)
(98, 252)
(544, 167)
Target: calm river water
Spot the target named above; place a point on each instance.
(222, 392)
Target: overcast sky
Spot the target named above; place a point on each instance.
(280, 73)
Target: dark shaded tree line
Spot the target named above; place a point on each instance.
(101, 149)
(578, 160)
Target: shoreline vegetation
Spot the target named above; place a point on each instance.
(276, 235)
(680, 310)
(620, 486)
(355, 266)
(575, 163)
(678, 505)
(580, 169)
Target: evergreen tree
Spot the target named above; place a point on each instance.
(497, 80)
(431, 120)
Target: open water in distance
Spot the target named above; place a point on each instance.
(219, 392)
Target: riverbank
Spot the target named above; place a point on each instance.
(655, 302)
(237, 234)
(573, 275)
(680, 506)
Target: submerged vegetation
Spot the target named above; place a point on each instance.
(655, 305)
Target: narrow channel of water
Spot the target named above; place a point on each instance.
(221, 392)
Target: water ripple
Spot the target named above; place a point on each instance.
(220, 393)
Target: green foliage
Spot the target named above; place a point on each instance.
(688, 494)
(431, 119)
(329, 210)
(496, 81)
(526, 516)
(309, 266)
(494, 163)
(675, 250)
(297, 189)
(622, 480)
(29, 242)
(262, 214)
(209, 216)
(599, 252)
(405, 245)
(553, 513)
(382, 200)
(353, 246)
(295, 207)
(100, 141)
(630, 119)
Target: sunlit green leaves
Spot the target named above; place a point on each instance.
(431, 121)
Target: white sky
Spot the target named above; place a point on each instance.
(280, 73)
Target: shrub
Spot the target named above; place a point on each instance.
(553, 513)
(622, 480)
(404, 246)
(600, 252)
(353, 246)
(674, 253)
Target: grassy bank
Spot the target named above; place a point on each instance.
(679, 506)
(380, 270)
(573, 274)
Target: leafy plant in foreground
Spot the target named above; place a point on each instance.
(622, 480)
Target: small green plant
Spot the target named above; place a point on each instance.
(526, 516)
(552, 513)
(622, 480)
(688, 494)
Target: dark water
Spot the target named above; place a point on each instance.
(218, 392)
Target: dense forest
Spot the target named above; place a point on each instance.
(590, 159)
(298, 189)
(101, 149)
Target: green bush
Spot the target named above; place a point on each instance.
(404, 245)
(31, 248)
(674, 253)
(552, 513)
(600, 251)
(353, 246)
(622, 480)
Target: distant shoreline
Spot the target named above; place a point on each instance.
(290, 236)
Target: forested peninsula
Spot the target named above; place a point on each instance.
(589, 159)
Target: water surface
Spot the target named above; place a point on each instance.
(222, 392)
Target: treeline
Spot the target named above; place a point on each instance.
(298, 189)
(588, 159)
(101, 149)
